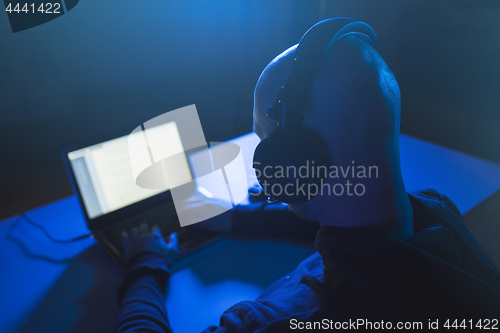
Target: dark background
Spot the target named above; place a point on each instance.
(111, 65)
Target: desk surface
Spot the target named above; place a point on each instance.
(465, 179)
(47, 287)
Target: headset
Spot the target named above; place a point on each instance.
(278, 158)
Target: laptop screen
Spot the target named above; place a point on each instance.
(103, 174)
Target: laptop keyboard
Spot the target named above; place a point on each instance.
(165, 217)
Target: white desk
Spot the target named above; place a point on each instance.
(47, 287)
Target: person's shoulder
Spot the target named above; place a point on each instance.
(435, 201)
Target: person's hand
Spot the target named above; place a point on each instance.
(215, 214)
(142, 239)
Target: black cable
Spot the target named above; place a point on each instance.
(58, 241)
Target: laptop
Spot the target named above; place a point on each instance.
(101, 175)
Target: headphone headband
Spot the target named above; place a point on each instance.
(309, 56)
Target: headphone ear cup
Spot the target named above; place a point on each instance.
(286, 164)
